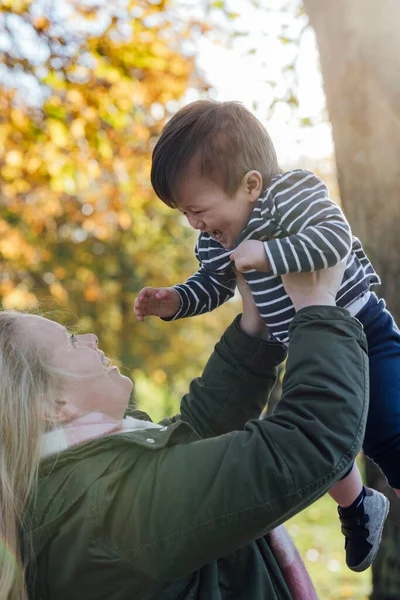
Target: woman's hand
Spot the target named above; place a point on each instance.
(251, 322)
(316, 288)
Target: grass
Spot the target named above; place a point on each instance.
(316, 533)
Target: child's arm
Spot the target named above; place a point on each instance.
(317, 234)
(204, 291)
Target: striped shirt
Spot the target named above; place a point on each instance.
(302, 230)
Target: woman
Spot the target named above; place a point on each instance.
(127, 509)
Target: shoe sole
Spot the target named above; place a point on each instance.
(369, 559)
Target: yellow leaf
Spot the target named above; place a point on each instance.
(20, 299)
(58, 132)
(19, 118)
(75, 97)
(41, 23)
(9, 173)
(77, 128)
(14, 158)
(92, 293)
(159, 376)
(124, 220)
(59, 272)
(57, 290)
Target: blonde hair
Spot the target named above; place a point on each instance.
(28, 392)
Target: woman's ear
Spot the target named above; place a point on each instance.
(253, 183)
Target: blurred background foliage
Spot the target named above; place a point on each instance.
(86, 88)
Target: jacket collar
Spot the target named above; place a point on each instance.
(87, 428)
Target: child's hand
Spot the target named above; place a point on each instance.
(161, 302)
(250, 254)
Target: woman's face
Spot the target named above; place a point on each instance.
(97, 387)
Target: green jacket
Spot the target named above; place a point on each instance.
(181, 512)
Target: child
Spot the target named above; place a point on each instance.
(217, 165)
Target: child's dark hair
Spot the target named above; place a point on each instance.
(223, 139)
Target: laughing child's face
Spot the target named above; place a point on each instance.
(209, 209)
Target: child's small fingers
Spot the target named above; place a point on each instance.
(137, 312)
(139, 299)
(145, 294)
(238, 265)
(242, 266)
(161, 295)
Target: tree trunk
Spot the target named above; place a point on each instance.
(359, 48)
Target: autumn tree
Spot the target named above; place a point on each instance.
(359, 49)
(85, 90)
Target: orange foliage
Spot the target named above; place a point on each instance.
(80, 228)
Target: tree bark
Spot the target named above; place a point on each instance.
(359, 47)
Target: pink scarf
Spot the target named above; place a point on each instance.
(87, 428)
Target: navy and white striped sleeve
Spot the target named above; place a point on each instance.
(204, 291)
(315, 233)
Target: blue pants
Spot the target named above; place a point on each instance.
(382, 434)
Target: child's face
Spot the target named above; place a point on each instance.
(209, 209)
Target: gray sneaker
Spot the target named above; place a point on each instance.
(362, 528)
